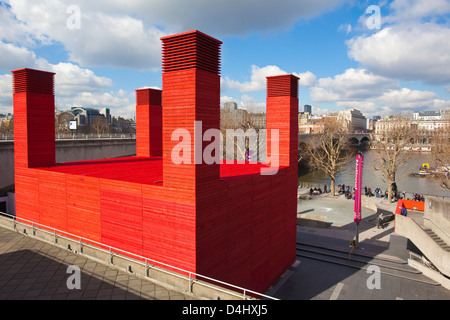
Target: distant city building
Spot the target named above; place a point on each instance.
(6, 120)
(88, 116)
(106, 113)
(258, 120)
(422, 128)
(354, 119)
(307, 109)
(427, 115)
(230, 106)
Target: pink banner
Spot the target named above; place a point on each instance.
(358, 187)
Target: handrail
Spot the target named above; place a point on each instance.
(115, 251)
(426, 218)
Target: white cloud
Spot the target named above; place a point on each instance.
(373, 94)
(307, 79)
(407, 99)
(416, 10)
(13, 57)
(346, 27)
(407, 52)
(258, 79)
(74, 86)
(71, 79)
(353, 84)
(233, 17)
(127, 33)
(6, 103)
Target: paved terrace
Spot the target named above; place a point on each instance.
(31, 269)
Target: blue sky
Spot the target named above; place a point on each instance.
(102, 50)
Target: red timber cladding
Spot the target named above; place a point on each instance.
(27, 194)
(52, 199)
(83, 207)
(169, 226)
(121, 215)
(148, 123)
(34, 118)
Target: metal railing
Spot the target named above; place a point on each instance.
(191, 277)
(91, 136)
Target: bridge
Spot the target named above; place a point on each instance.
(354, 138)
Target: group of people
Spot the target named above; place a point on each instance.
(318, 190)
(349, 192)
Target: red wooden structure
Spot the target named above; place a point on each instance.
(226, 221)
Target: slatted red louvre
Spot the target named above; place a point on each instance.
(192, 49)
(33, 81)
(148, 123)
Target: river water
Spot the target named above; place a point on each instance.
(373, 179)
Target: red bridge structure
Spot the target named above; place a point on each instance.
(223, 220)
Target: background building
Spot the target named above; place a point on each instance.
(354, 119)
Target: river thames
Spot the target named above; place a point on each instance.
(372, 179)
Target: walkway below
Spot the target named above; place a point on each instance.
(31, 269)
(343, 273)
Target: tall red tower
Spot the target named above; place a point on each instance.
(148, 123)
(34, 118)
(191, 99)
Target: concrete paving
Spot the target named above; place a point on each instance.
(34, 270)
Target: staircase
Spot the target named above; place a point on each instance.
(437, 239)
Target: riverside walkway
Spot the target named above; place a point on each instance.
(31, 269)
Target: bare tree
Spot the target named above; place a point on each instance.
(440, 151)
(62, 121)
(391, 151)
(99, 126)
(329, 150)
(248, 144)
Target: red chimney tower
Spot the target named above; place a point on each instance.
(34, 118)
(191, 101)
(148, 123)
